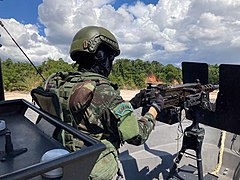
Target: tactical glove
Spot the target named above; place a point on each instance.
(155, 100)
(137, 100)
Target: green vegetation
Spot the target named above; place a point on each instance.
(214, 74)
(21, 76)
(130, 74)
(133, 74)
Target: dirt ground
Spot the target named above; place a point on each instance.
(18, 95)
(126, 94)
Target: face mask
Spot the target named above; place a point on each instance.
(100, 63)
(104, 59)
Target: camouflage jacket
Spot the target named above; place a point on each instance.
(102, 113)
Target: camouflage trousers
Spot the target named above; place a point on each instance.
(106, 166)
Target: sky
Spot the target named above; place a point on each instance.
(168, 31)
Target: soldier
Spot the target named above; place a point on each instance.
(94, 105)
(107, 116)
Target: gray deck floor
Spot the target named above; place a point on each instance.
(154, 159)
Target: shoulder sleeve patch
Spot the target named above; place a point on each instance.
(122, 108)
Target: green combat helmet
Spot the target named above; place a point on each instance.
(89, 38)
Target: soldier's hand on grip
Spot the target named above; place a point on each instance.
(137, 100)
(156, 100)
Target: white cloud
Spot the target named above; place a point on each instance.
(235, 42)
(170, 12)
(140, 10)
(170, 31)
(35, 46)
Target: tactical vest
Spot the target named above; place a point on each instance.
(84, 101)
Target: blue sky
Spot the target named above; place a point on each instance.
(118, 3)
(168, 31)
(25, 11)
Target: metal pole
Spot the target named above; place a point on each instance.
(2, 98)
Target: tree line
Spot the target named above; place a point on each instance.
(128, 74)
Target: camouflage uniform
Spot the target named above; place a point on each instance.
(110, 119)
(92, 104)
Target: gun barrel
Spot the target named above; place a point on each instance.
(215, 87)
(209, 87)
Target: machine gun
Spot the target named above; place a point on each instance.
(179, 97)
(194, 99)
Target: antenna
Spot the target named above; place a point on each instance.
(22, 51)
(0, 44)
